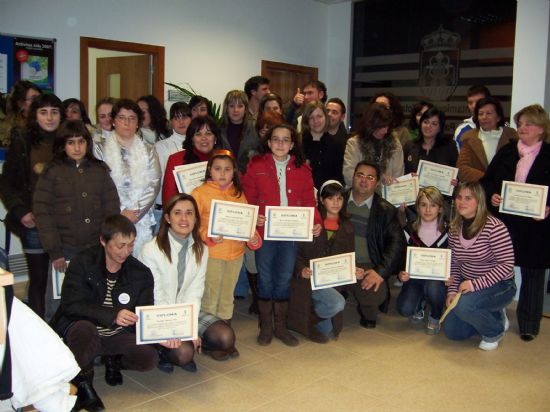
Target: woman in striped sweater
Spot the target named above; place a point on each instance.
(482, 270)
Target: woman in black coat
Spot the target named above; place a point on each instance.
(526, 161)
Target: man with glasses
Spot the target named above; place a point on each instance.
(379, 242)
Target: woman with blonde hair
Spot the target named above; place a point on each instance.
(482, 270)
(526, 161)
(237, 130)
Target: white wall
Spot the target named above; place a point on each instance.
(531, 55)
(215, 45)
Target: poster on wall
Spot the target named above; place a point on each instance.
(27, 58)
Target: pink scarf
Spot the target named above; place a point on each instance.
(527, 155)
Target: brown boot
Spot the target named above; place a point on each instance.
(281, 331)
(253, 283)
(313, 332)
(337, 324)
(265, 322)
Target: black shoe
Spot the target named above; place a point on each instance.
(164, 364)
(86, 396)
(368, 324)
(113, 376)
(527, 337)
(190, 367)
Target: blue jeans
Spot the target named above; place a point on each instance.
(327, 303)
(31, 241)
(275, 261)
(414, 291)
(480, 312)
(241, 288)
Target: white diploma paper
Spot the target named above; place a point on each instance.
(232, 220)
(57, 281)
(188, 177)
(428, 263)
(434, 174)
(398, 193)
(289, 223)
(332, 271)
(523, 199)
(159, 323)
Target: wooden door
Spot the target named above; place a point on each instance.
(285, 78)
(123, 77)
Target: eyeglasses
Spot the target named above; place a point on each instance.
(361, 175)
(124, 119)
(283, 141)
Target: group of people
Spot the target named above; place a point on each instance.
(67, 185)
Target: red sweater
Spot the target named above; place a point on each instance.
(169, 186)
(261, 186)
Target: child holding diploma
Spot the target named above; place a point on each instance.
(278, 177)
(428, 230)
(225, 255)
(177, 258)
(336, 237)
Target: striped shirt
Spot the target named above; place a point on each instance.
(108, 303)
(486, 261)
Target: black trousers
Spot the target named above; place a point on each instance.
(85, 343)
(531, 300)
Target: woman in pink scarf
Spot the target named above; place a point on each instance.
(527, 161)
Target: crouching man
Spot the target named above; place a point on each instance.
(102, 287)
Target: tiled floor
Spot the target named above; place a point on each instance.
(395, 367)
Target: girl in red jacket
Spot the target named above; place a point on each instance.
(279, 177)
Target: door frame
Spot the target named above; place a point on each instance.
(156, 51)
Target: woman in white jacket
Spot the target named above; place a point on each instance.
(177, 258)
(134, 168)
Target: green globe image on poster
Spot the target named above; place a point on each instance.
(35, 69)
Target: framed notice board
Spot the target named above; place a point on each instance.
(26, 58)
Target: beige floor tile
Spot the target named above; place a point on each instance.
(219, 394)
(125, 396)
(318, 359)
(330, 395)
(272, 377)
(248, 356)
(156, 405)
(274, 407)
(162, 383)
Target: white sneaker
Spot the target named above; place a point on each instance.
(487, 346)
(506, 320)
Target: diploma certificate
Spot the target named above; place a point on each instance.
(428, 263)
(523, 199)
(398, 193)
(232, 220)
(289, 223)
(332, 271)
(190, 176)
(57, 281)
(159, 323)
(434, 174)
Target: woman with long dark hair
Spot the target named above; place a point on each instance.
(30, 151)
(178, 258)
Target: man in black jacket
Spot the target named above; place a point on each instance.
(379, 241)
(102, 287)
